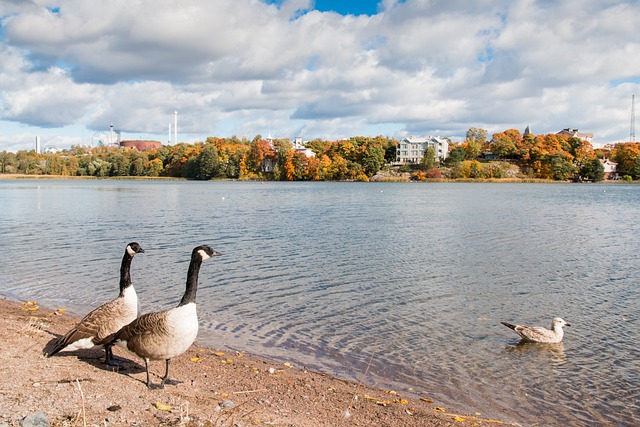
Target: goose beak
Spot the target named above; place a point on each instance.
(216, 253)
(141, 251)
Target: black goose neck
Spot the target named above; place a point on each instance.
(192, 282)
(125, 268)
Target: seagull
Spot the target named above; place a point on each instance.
(539, 333)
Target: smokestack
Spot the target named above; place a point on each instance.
(175, 127)
(37, 145)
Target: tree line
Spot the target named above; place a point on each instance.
(506, 154)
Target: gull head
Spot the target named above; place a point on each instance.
(558, 322)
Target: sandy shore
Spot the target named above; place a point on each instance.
(213, 388)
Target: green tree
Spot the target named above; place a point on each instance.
(592, 171)
(428, 161)
(456, 155)
(8, 160)
(561, 167)
(207, 164)
(636, 169)
(372, 158)
(137, 167)
(390, 151)
(54, 166)
(120, 162)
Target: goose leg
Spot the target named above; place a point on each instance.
(166, 374)
(146, 365)
(108, 356)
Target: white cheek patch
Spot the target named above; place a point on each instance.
(130, 251)
(203, 254)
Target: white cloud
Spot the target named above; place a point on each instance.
(242, 66)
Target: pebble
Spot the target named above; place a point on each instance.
(228, 404)
(36, 419)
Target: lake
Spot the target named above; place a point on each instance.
(397, 285)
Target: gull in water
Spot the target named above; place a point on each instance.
(540, 334)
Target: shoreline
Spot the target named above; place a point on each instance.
(214, 388)
(381, 180)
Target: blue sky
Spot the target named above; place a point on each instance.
(323, 69)
(343, 7)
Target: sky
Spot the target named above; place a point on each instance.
(69, 69)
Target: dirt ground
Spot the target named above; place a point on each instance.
(212, 388)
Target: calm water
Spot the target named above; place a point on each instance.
(401, 286)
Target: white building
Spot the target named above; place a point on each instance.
(299, 147)
(411, 150)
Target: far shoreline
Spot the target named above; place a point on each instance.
(380, 180)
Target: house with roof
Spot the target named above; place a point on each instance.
(411, 149)
(587, 137)
(610, 169)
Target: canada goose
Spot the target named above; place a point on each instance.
(97, 327)
(166, 334)
(540, 334)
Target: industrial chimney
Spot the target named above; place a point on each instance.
(175, 127)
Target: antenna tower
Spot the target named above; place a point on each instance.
(632, 131)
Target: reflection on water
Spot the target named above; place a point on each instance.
(402, 286)
(546, 353)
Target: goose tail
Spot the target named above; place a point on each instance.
(54, 346)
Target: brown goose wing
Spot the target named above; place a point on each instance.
(87, 328)
(142, 328)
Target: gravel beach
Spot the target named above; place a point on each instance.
(212, 387)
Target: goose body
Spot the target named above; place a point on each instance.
(540, 334)
(166, 334)
(97, 327)
(161, 335)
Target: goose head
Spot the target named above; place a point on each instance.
(204, 252)
(134, 248)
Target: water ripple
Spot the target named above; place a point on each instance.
(406, 283)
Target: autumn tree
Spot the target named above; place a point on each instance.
(505, 144)
(474, 143)
(626, 156)
(260, 152)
